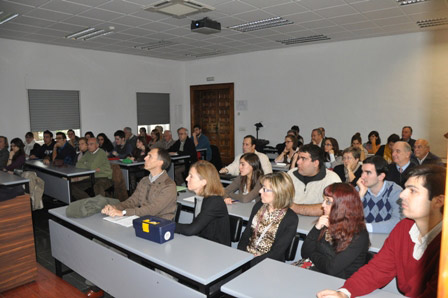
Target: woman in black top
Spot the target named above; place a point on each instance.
(105, 143)
(17, 155)
(141, 149)
(338, 243)
(351, 169)
(212, 222)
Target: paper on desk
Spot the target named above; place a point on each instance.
(181, 188)
(125, 221)
(189, 199)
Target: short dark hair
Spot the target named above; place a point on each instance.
(197, 126)
(90, 134)
(315, 152)
(357, 137)
(6, 141)
(60, 133)
(119, 133)
(163, 155)
(29, 135)
(377, 135)
(381, 165)
(410, 128)
(296, 128)
(393, 138)
(356, 152)
(47, 132)
(70, 130)
(253, 140)
(434, 179)
(318, 130)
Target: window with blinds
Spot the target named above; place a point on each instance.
(153, 108)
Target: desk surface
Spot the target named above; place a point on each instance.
(65, 170)
(279, 168)
(276, 279)
(7, 179)
(127, 165)
(179, 157)
(200, 260)
(305, 225)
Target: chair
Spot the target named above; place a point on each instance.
(178, 210)
(216, 157)
(119, 187)
(236, 224)
(291, 251)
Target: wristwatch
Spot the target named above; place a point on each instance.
(124, 212)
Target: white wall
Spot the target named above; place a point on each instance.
(361, 85)
(107, 82)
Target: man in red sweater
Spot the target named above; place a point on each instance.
(411, 252)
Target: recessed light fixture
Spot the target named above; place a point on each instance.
(179, 8)
(311, 38)
(6, 17)
(152, 46)
(407, 2)
(261, 24)
(433, 22)
(89, 33)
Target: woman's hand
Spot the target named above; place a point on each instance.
(322, 222)
(132, 158)
(228, 201)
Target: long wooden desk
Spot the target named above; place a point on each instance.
(276, 279)
(58, 179)
(196, 262)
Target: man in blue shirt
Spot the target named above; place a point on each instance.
(201, 141)
(379, 197)
(63, 151)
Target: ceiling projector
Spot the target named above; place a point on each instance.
(205, 26)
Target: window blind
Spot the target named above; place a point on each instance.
(153, 108)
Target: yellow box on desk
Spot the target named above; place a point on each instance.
(154, 228)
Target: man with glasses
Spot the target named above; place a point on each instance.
(310, 179)
(63, 152)
(183, 146)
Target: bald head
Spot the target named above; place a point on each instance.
(401, 153)
(92, 144)
(421, 148)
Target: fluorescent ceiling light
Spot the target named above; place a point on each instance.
(311, 38)
(152, 46)
(82, 32)
(261, 24)
(89, 33)
(8, 17)
(433, 22)
(98, 35)
(407, 2)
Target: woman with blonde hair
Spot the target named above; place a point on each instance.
(212, 221)
(272, 224)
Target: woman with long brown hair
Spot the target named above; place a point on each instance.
(212, 221)
(338, 243)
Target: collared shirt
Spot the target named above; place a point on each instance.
(153, 179)
(96, 150)
(379, 193)
(421, 244)
(420, 161)
(403, 168)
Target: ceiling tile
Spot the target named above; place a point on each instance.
(384, 13)
(265, 3)
(121, 7)
(116, 27)
(318, 24)
(366, 6)
(304, 17)
(33, 21)
(289, 28)
(234, 7)
(19, 27)
(138, 32)
(350, 19)
(13, 34)
(121, 36)
(82, 21)
(330, 30)
(131, 21)
(319, 4)
(254, 15)
(394, 21)
(101, 14)
(48, 14)
(52, 32)
(285, 9)
(179, 31)
(33, 3)
(91, 3)
(151, 16)
(336, 11)
(157, 26)
(360, 26)
(15, 8)
(65, 7)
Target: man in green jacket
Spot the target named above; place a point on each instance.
(94, 159)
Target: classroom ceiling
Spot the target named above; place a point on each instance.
(167, 37)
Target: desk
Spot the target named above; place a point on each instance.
(226, 179)
(279, 168)
(203, 153)
(127, 169)
(276, 279)
(183, 257)
(57, 179)
(305, 225)
(7, 179)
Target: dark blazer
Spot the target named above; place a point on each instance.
(411, 142)
(67, 154)
(339, 169)
(397, 177)
(431, 159)
(189, 149)
(283, 238)
(212, 222)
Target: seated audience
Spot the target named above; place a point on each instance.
(160, 129)
(374, 142)
(142, 133)
(94, 159)
(338, 243)
(411, 252)
(156, 196)
(296, 128)
(131, 139)
(406, 136)
(212, 222)
(272, 224)
(167, 141)
(281, 147)
(30, 143)
(17, 156)
(141, 150)
(248, 147)
(379, 196)
(82, 146)
(183, 146)
(289, 153)
(122, 148)
(357, 143)
(89, 135)
(4, 153)
(105, 143)
(46, 150)
(73, 139)
(322, 129)
(350, 170)
(423, 156)
(156, 139)
(333, 156)
(247, 183)
(385, 151)
(201, 141)
(317, 138)
(402, 163)
(63, 152)
(310, 179)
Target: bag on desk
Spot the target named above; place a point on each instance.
(154, 228)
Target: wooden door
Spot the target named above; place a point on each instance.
(212, 107)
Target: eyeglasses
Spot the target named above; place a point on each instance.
(264, 189)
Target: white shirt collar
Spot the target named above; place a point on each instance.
(420, 161)
(380, 192)
(96, 150)
(153, 179)
(421, 245)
